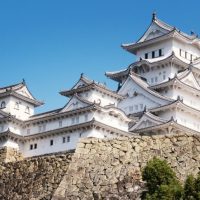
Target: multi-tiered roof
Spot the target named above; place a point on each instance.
(162, 87)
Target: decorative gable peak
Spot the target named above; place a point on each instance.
(20, 91)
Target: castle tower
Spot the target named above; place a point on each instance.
(162, 86)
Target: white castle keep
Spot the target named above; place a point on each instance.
(157, 94)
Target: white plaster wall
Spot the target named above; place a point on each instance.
(96, 96)
(12, 144)
(67, 121)
(191, 49)
(165, 45)
(136, 104)
(112, 121)
(44, 147)
(20, 113)
(189, 99)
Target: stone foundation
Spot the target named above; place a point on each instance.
(111, 169)
(33, 179)
(99, 169)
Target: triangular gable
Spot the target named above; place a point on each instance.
(132, 87)
(81, 82)
(75, 103)
(190, 80)
(147, 120)
(25, 92)
(154, 30)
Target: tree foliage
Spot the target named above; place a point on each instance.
(161, 181)
(192, 188)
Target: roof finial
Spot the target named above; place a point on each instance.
(82, 75)
(23, 81)
(145, 109)
(153, 16)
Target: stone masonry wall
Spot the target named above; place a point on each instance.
(31, 179)
(111, 169)
(9, 155)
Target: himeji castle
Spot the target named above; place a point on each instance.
(157, 94)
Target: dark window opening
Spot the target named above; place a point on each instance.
(146, 55)
(153, 54)
(160, 52)
(35, 146)
(51, 142)
(68, 138)
(31, 147)
(64, 139)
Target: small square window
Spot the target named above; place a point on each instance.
(51, 142)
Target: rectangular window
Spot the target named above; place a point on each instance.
(68, 138)
(136, 107)
(86, 117)
(64, 139)
(190, 57)
(180, 52)
(44, 127)
(152, 80)
(186, 54)
(80, 135)
(35, 146)
(130, 108)
(40, 128)
(51, 142)
(73, 120)
(60, 123)
(31, 147)
(146, 55)
(156, 79)
(160, 52)
(28, 131)
(153, 54)
(77, 119)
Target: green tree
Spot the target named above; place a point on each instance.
(189, 188)
(161, 181)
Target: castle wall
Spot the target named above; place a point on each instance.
(34, 178)
(99, 169)
(111, 169)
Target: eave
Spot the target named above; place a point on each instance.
(171, 126)
(176, 104)
(91, 86)
(120, 75)
(176, 81)
(81, 126)
(132, 48)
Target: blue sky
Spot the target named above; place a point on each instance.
(50, 43)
